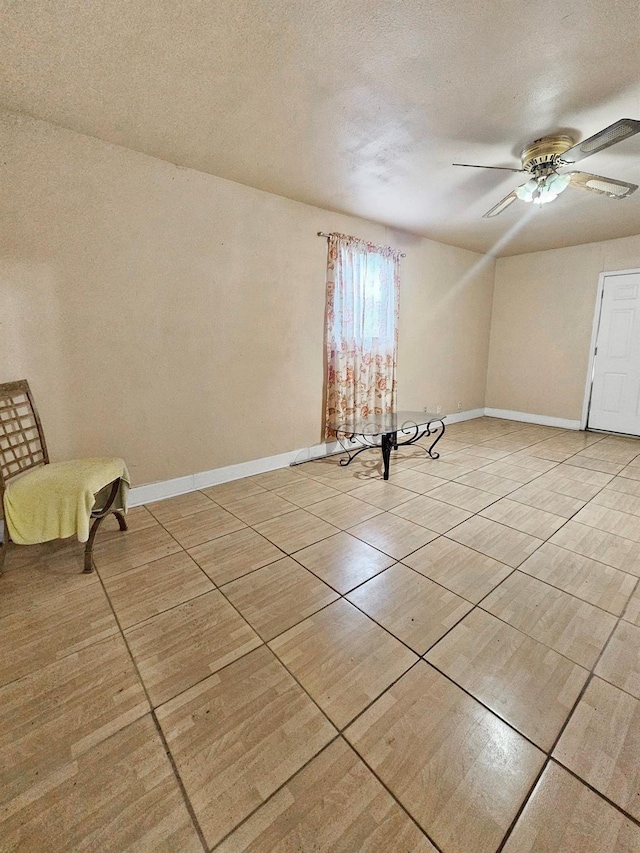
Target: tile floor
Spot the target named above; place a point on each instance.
(315, 660)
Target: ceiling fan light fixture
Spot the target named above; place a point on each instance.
(545, 196)
(526, 191)
(558, 183)
(544, 188)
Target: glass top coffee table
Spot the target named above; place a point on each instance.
(388, 432)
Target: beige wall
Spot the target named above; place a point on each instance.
(543, 311)
(176, 319)
(445, 306)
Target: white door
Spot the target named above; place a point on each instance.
(615, 395)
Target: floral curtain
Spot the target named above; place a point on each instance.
(363, 285)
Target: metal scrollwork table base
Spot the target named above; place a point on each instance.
(389, 432)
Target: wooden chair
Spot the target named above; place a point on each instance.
(23, 447)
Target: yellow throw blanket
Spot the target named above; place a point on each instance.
(55, 501)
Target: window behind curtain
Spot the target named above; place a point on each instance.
(361, 329)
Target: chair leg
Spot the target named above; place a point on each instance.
(99, 516)
(3, 554)
(88, 550)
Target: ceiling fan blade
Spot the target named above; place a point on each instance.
(605, 186)
(502, 168)
(501, 205)
(616, 132)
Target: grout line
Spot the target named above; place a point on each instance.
(168, 609)
(142, 565)
(563, 728)
(343, 596)
(176, 774)
(96, 638)
(517, 568)
(181, 786)
(587, 681)
(353, 588)
(273, 794)
(294, 677)
(387, 630)
(263, 643)
(153, 709)
(623, 614)
(485, 706)
(148, 506)
(217, 585)
(390, 792)
(476, 605)
(595, 791)
(289, 553)
(215, 672)
(602, 530)
(552, 586)
(592, 674)
(523, 805)
(423, 656)
(337, 737)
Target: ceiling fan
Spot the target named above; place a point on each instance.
(543, 158)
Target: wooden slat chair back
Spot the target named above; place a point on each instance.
(23, 447)
(22, 444)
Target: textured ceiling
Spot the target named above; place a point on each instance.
(358, 106)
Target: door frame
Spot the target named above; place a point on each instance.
(586, 405)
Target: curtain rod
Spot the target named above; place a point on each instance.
(322, 234)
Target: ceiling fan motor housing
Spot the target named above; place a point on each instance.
(542, 155)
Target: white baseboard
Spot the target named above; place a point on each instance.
(525, 417)
(157, 491)
(465, 416)
(192, 482)
(203, 479)
(261, 466)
